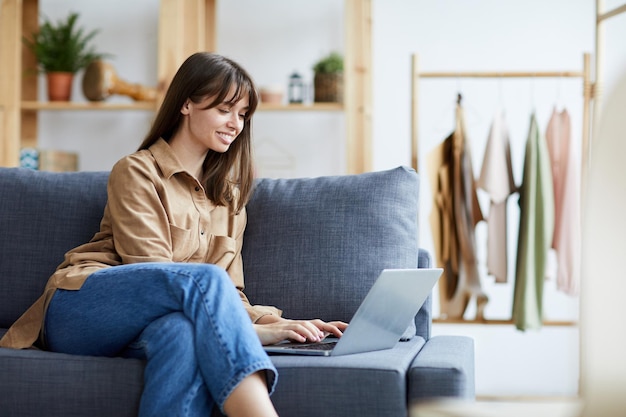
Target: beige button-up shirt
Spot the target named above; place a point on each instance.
(156, 212)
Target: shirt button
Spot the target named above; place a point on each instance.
(202, 232)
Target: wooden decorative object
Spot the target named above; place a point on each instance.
(101, 81)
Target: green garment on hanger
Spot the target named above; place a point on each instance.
(535, 232)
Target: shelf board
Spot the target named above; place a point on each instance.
(145, 105)
(72, 105)
(301, 107)
(563, 323)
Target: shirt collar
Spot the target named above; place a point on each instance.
(165, 158)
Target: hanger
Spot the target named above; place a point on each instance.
(532, 94)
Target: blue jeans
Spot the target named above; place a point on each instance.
(186, 320)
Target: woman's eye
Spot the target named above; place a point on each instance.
(243, 116)
(223, 110)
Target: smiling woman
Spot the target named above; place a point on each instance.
(191, 117)
(210, 127)
(167, 258)
(162, 280)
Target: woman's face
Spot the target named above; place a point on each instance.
(217, 127)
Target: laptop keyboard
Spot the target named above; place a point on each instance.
(317, 346)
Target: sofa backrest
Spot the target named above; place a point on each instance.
(314, 246)
(42, 215)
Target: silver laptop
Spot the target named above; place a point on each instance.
(381, 319)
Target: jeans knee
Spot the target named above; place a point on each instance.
(175, 325)
(211, 275)
(213, 271)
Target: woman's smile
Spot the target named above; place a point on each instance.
(226, 138)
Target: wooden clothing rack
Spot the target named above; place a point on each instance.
(592, 93)
(592, 89)
(598, 84)
(584, 74)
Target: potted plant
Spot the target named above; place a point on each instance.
(61, 50)
(328, 79)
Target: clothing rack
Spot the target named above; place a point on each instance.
(585, 74)
(592, 89)
(587, 93)
(598, 85)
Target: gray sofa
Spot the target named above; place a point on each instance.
(313, 247)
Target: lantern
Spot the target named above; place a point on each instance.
(296, 88)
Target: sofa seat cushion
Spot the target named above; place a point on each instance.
(314, 246)
(444, 367)
(373, 383)
(37, 383)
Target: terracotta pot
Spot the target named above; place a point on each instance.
(59, 85)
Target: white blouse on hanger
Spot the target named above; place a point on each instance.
(496, 178)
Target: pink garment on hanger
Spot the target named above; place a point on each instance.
(496, 178)
(566, 183)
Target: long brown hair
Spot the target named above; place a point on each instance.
(204, 75)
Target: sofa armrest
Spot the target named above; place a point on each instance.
(423, 319)
(443, 368)
(424, 260)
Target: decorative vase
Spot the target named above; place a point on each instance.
(328, 87)
(59, 85)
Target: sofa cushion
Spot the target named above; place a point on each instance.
(36, 383)
(42, 215)
(314, 246)
(363, 384)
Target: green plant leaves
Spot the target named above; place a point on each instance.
(63, 46)
(329, 64)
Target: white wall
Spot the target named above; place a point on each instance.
(275, 37)
(272, 39)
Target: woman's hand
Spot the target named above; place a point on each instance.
(273, 329)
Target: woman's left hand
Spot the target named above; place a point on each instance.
(273, 329)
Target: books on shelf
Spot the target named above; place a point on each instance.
(48, 160)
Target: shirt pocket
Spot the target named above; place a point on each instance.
(222, 251)
(184, 243)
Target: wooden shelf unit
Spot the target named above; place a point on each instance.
(301, 107)
(74, 105)
(87, 105)
(184, 28)
(504, 322)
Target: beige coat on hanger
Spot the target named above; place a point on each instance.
(454, 216)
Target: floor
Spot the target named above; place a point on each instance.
(480, 408)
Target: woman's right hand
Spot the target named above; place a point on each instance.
(301, 331)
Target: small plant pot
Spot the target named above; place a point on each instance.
(271, 95)
(328, 87)
(59, 85)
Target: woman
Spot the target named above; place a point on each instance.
(156, 281)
